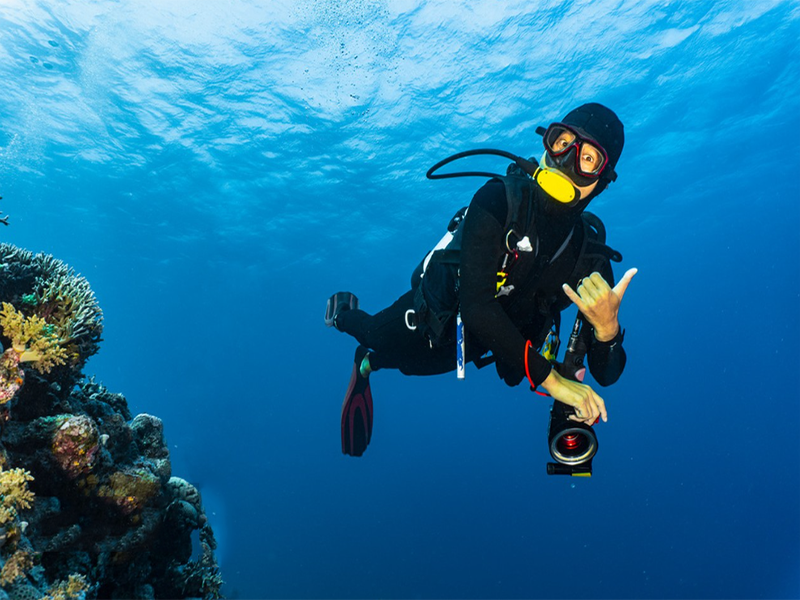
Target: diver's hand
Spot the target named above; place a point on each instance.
(599, 303)
(587, 403)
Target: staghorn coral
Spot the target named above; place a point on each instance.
(63, 539)
(66, 300)
(17, 272)
(32, 339)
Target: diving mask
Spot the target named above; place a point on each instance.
(571, 159)
(576, 153)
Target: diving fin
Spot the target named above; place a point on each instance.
(357, 410)
(337, 303)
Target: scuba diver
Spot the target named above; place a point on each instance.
(493, 289)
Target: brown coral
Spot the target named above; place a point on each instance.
(130, 489)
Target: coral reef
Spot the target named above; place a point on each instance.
(88, 504)
(40, 286)
(73, 588)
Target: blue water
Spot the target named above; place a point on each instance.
(217, 170)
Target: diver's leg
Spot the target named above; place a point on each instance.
(343, 313)
(382, 331)
(385, 342)
(392, 344)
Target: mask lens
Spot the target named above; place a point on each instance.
(558, 139)
(590, 158)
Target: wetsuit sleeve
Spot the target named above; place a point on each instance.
(606, 360)
(482, 248)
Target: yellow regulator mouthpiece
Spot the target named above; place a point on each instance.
(555, 185)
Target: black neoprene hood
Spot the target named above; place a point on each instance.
(601, 124)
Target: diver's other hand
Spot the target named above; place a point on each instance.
(587, 403)
(599, 303)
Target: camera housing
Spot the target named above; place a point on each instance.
(572, 444)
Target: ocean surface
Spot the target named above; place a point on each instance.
(216, 170)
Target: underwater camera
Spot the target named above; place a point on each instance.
(572, 444)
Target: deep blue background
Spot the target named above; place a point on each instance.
(216, 172)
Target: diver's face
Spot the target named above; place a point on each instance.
(590, 159)
(584, 191)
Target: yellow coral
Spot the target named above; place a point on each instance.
(17, 566)
(72, 589)
(14, 493)
(32, 338)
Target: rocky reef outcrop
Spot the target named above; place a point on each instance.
(89, 507)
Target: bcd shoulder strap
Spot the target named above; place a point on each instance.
(594, 241)
(593, 246)
(519, 198)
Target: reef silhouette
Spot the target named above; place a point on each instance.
(88, 504)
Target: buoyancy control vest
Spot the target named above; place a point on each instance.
(435, 280)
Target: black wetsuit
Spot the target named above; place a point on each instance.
(504, 324)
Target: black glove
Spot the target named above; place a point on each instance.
(508, 374)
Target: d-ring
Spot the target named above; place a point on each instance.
(411, 318)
